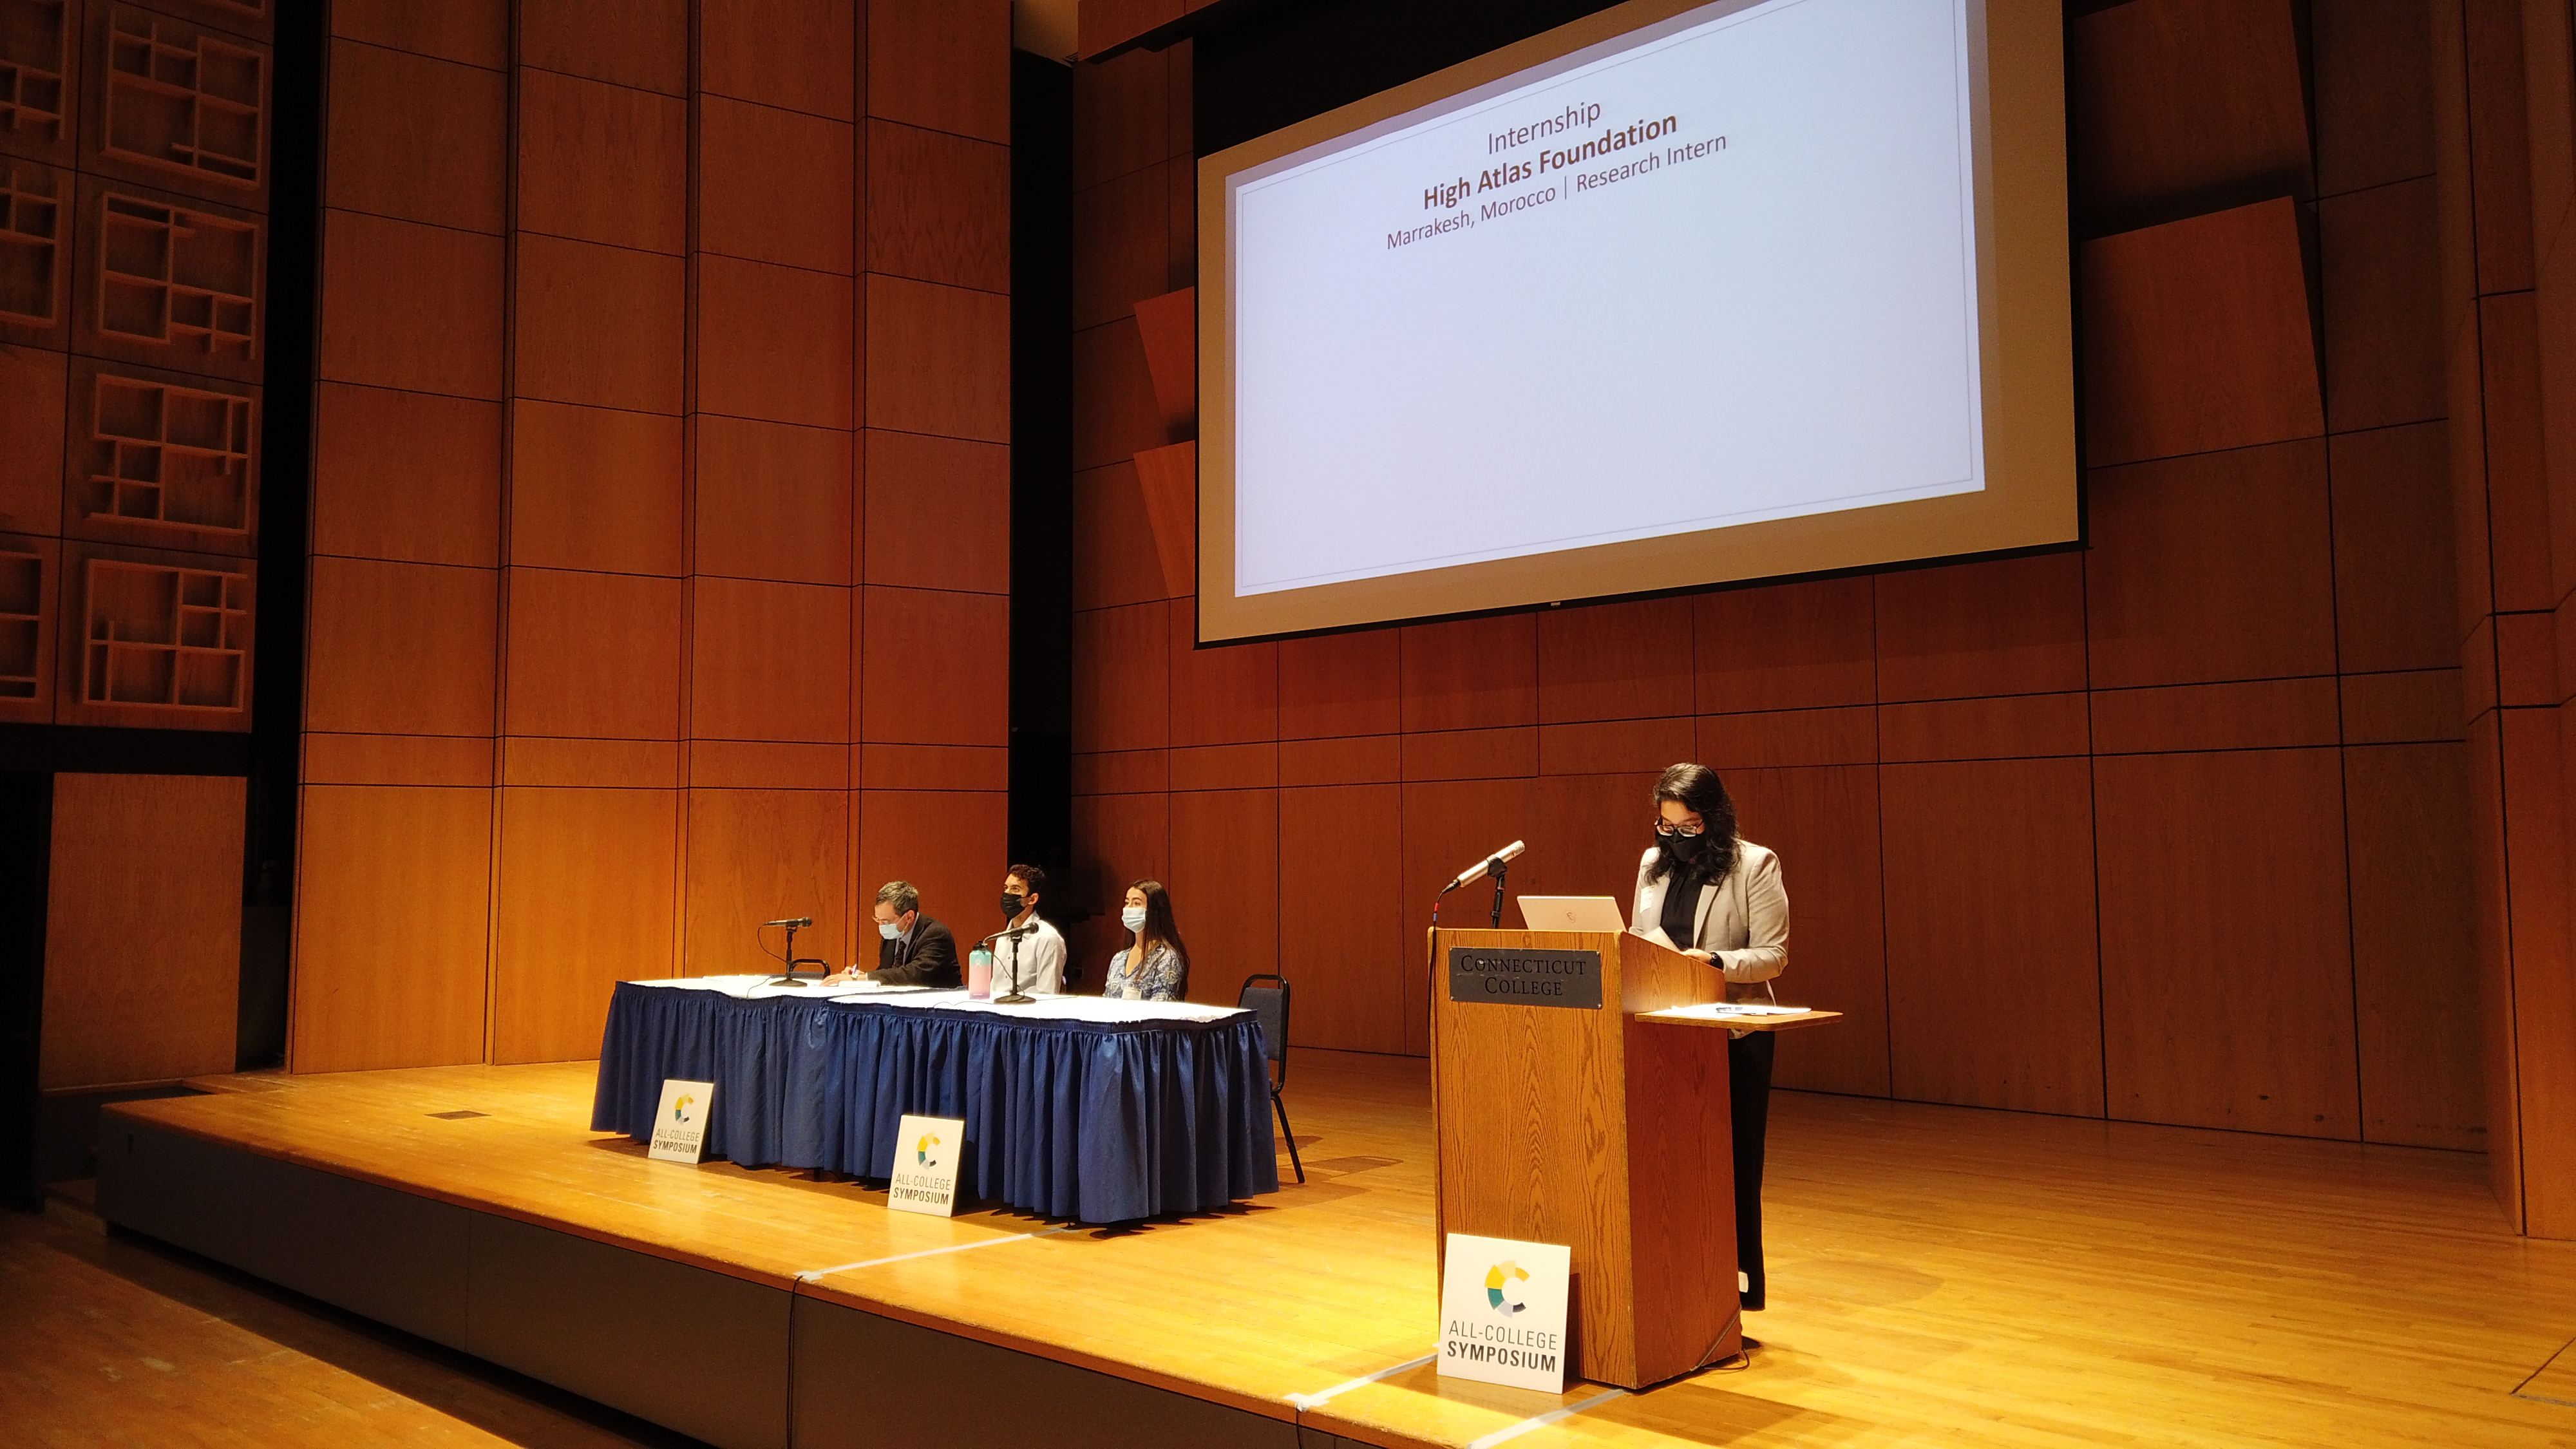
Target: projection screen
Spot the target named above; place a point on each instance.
(1676, 295)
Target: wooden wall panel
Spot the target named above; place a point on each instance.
(1342, 941)
(2415, 974)
(2197, 336)
(2002, 727)
(940, 207)
(939, 513)
(1121, 245)
(1120, 692)
(594, 488)
(1471, 673)
(1788, 646)
(1115, 416)
(1993, 991)
(1221, 696)
(2178, 99)
(939, 360)
(602, 163)
(1340, 684)
(392, 900)
(643, 43)
(950, 844)
(1781, 737)
(592, 655)
(1124, 115)
(944, 67)
(406, 475)
(2014, 626)
(936, 667)
(2517, 485)
(410, 306)
(1510, 753)
(1588, 832)
(1115, 555)
(1824, 823)
(2383, 354)
(2255, 715)
(586, 899)
(1168, 326)
(1167, 479)
(2226, 943)
(1116, 839)
(769, 661)
(773, 501)
(775, 186)
(597, 325)
(763, 855)
(417, 138)
(32, 384)
(2374, 93)
(2544, 981)
(1616, 661)
(792, 53)
(1225, 886)
(142, 928)
(2393, 549)
(476, 32)
(2216, 567)
(774, 343)
(1629, 746)
(400, 648)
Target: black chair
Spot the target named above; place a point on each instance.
(1270, 1003)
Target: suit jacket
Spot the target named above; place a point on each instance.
(931, 961)
(1743, 920)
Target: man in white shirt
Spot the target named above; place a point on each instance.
(1040, 954)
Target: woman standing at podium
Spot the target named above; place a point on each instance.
(1717, 897)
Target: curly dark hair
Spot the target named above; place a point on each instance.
(1700, 791)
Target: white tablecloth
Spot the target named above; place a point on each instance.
(1045, 1008)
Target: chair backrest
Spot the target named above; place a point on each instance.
(1270, 1003)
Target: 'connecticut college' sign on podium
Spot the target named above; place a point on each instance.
(1519, 976)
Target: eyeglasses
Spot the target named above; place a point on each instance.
(1667, 829)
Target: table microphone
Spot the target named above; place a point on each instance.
(800, 923)
(1006, 934)
(1508, 853)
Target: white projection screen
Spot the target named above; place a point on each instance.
(1676, 295)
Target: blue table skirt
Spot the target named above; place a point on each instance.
(1099, 1122)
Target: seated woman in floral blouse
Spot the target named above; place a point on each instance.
(1157, 967)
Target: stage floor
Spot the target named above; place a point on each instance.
(1937, 1274)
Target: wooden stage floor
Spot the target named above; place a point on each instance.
(1939, 1275)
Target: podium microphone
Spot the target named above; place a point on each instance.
(1491, 864)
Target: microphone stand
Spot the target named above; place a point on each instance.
(1496, 868)
(789, 977)
(1013, 935)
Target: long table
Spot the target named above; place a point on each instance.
(1075, 1107)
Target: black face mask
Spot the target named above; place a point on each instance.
(1013, 905)
(1684, 848)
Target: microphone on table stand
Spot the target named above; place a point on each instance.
(1012, 935)
(1495, 865)
(793, 925)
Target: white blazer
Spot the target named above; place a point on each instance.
(1743, 920)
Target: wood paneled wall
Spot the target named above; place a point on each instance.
(2169, 829)
(2507, 322)
(142, 928)
(661, 527)
(134, 182)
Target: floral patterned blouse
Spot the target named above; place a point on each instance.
(1160, 980)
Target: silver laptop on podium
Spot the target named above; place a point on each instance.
(1571, 913)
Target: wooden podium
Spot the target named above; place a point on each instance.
(1562, 1122)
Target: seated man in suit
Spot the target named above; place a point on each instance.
(913, 949)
